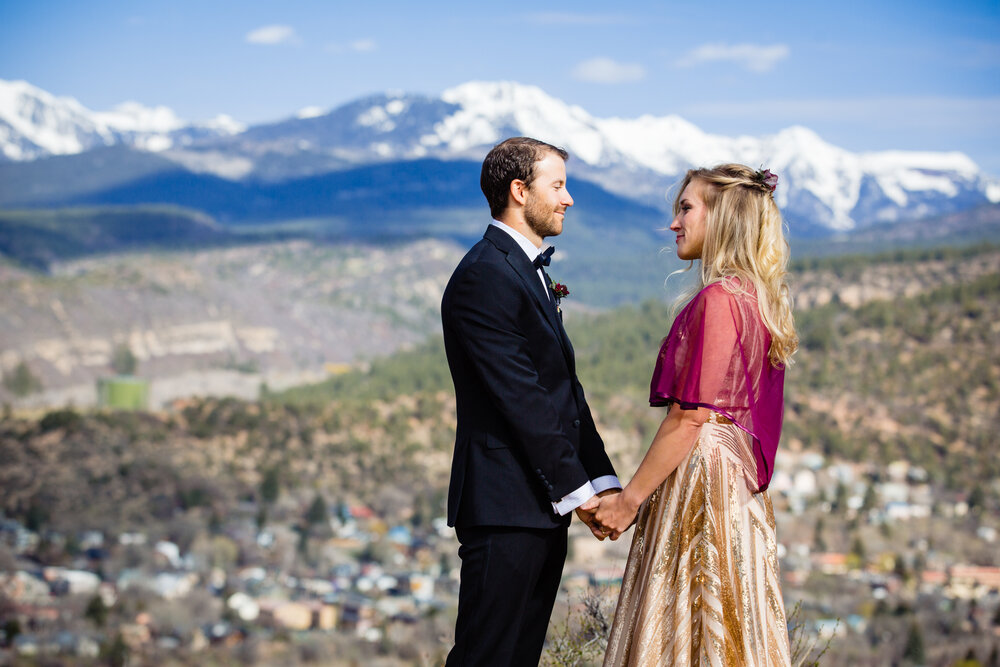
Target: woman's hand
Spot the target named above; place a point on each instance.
(616, 513)
(673, 440)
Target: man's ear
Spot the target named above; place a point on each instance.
(518, 192)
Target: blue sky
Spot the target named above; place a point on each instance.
(866, 76)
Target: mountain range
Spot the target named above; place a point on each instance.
(406, 151)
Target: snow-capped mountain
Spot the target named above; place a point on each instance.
(34, 124)
(822, 186)
(821, 182)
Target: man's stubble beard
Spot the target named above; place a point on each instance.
(541, 219)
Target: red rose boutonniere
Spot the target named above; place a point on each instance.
(559, 290)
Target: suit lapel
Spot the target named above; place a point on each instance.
(526, 271)
(557, 319)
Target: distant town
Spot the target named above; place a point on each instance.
(390, 593)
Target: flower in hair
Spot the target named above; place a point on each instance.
(765, 177)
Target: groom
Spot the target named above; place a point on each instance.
(527, 453)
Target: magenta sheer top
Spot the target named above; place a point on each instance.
(716, 357)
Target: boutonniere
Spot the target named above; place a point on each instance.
(559, 290)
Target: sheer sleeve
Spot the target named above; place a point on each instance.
(695, 359)
(716, 356)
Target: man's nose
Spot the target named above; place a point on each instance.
(568, 199)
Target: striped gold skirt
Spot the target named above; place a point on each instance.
(701, 582)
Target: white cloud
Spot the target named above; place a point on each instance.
(357, 46)
(272, 34)
(362, 45)
(310, 112)
(753, 57)
(606, 70)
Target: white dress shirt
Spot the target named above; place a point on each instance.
(529, 249)
(568, 503)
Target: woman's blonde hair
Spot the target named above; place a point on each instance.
(744, 239)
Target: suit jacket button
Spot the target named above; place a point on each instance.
(576, 423)
(551, 487)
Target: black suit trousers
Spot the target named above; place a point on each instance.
(510, 578)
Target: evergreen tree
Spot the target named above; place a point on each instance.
(914, 647)
(123, 361)
(12, 628)
(303, 544)
(840, 498)
(116, 653)
(317, 511)
(870, 499)
(270, 486)
(96, 612)
(858, 549)
(899, 567)
(976, 499)
(819, 544)
(22, 381)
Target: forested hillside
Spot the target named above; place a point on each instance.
(912, 377)
(893, 376)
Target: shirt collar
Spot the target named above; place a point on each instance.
(527, 246)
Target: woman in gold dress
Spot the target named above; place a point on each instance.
(701, 583)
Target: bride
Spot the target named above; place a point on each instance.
(701, 583)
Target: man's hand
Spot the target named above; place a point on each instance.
(586, 514)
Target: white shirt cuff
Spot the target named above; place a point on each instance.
(570, 502)
(606, 482)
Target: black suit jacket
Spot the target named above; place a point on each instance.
(525, 434)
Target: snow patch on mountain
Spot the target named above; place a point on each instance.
(222, 125)
(40, 123)
(490, 111)
(134, 117)
(681, 138)
(993, 192)
(35, 123)
(898, 173)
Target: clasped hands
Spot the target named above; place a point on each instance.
(608, 514)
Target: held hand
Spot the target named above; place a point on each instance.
(615, 515)
(586, 514)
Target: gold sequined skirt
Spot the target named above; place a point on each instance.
(701, 582)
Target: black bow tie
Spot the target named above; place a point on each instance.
(544, 258)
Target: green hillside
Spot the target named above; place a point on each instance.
(915, 378)
(37, 238)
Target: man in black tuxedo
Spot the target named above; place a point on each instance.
(527, 453)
